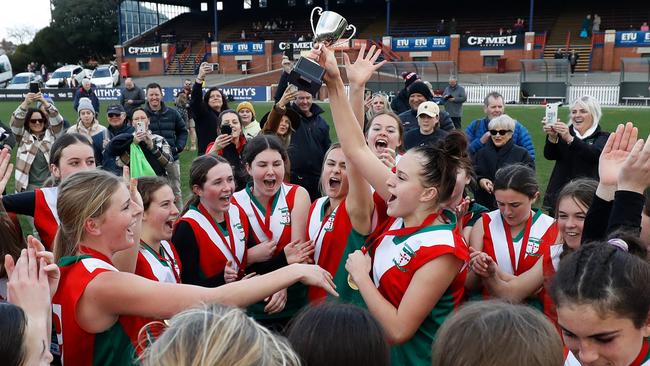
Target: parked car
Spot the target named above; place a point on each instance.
(105, 76)
(5, 70)
(67, 71)
(22, 80)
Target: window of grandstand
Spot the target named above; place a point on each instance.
(420, 59)
(143, 66)
(262, 3)
(490, 61)
(247, 4)
(204, 6)
(138, 17)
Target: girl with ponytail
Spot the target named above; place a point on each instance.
(418, 252)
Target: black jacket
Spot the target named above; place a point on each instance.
(307, 149)
(108, 160)
(489, 159)
(580, 159)
(205, 119)
(168, 123)
(90, 94)
(401, 102)
(121, 144)
(410, 120)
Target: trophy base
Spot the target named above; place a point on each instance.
(307, 75)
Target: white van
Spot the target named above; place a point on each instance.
(5, 71)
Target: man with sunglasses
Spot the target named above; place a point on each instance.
(117, 124)
(478, 132)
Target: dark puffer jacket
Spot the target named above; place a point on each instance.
(168, 123)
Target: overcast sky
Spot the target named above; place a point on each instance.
(18, 13)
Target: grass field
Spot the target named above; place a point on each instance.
(530, 116)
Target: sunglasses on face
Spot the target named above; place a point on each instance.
(500, 132)
(113, 115)
(37, 120)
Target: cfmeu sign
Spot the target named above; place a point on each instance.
(139, 51)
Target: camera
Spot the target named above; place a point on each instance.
(226, 130)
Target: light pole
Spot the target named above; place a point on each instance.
(218, 5)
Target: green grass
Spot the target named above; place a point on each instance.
(530, 116)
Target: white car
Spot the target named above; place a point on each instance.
(105, 76)
(68, 71)
(22, 80)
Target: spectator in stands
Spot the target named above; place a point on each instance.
(575, 147)
(586, 27)
(156, 37)
(35, 131)
(155, 148)
(132, 97)
(86, 91)
(167, 122)
(645, 27)
(209, 38)
(428, 132)
(518, 27)
(559, 54)
(206, 109)
(454, 97)
(308, 144)
(418, 93)
(441, 28)
(478, 132)
(243, 35)
(573, 60)
(249, 124)
(498, 152)
(453, 26)
(89, 126)
(596, 24)
(117, 124)
(401, 102)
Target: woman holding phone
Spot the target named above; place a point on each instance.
(206, 108)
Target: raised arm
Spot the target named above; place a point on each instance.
(349, 133)
(359, 203)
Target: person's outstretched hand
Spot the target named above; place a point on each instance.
(616, 150)
(363, 67)
(325, 57)
(635, 172)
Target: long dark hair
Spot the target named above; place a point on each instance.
(199, 174)
(12, 328)
(224, 98)
(28, 116)
(11, 242)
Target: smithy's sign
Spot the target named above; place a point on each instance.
(142, 51)
(492, 42)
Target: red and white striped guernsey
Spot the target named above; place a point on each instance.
(330, 235)
(512, 255)
(643, 359)
(46, 217)
(217, 247)
(164, 266)
(272, 222)
(396, 259)
(115, 346)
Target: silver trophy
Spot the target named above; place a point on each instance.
(307, 74)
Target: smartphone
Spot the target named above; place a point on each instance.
(34, 87)
(292, 88)
(367, 93)
(140, 127)
(214, 67)
(551, 112)
(226, 130)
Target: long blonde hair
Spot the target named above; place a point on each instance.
(83, 195)
(216, 334)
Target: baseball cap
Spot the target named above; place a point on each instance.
(431, 109)
(115, 108)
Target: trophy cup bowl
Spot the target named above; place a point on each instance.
(307, 74)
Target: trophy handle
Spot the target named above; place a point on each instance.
(311, 18)
(354, 31)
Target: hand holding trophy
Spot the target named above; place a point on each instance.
(307, 74)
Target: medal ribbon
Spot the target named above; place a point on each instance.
(231, 243)
(511, 245)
